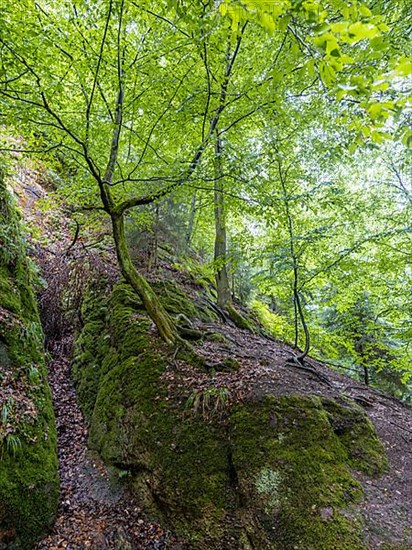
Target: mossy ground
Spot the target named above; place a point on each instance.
(176, 301)
(295, 469)
(28, 457)
(270, 473)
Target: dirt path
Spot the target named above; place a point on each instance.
(93, 513)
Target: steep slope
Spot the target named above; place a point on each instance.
(93, 512)
(28, 457)
(243, 450)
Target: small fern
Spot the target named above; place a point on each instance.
(209, 401)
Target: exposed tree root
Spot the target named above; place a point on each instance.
(296, 362)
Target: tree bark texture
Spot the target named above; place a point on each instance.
(150, 301)
(224, 298)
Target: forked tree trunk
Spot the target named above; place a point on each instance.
(150, 301)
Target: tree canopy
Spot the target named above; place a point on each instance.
(270, 137)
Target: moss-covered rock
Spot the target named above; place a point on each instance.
(177, 302)
(295, 469)
(28, 456)
(271, 473)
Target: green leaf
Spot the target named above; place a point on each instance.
(346, 59)
(365, 11)
(327, 72)
(310, 65)
(404, 68)
(377, 137)
(332, 46)
(361, 31)
(380, 85)
(352, 147)
(267, 22)
(407, 138)
(339, 28)
(375, 110)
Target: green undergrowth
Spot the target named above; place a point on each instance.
(28, 457)
(273, 473)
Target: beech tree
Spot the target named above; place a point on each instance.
(142, 96)
(98, 59)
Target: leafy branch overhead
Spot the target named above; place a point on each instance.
(263, 132)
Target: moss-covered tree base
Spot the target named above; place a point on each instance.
(273, 473)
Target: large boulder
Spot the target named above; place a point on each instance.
(266, 472)
(29, 485)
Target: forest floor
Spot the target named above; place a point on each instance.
(95, 513)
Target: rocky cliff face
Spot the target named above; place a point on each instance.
(233, 457)
(28, 457)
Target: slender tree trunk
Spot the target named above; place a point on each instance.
(366, 375)
(224, 298)
(304, 353)
(191, 223)
(298, 309)
(150, 301)
(153, 249)
(296, 321)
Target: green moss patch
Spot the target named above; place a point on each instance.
(295, 469)
(28, 457)
(177, 302)
(357, 433)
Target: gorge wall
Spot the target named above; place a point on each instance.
(29, 483)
